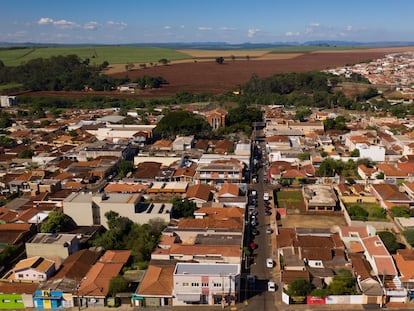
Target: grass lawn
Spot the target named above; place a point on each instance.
(375, 212)
(290, 199)
(10, 86)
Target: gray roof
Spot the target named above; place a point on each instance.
(206, 269)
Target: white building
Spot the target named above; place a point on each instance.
(373, 152)
(212, 284)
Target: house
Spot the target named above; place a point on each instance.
(36, 269)
(52, 245)
(88, 209)
(183, 143)
(156, 288)
(60, 290)
(220, 171)
(320, 198)
(17, 295)
(210, 284)
(389, 195)
(94, 287)
(404, 260)
(199, 193)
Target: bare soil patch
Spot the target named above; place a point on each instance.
(311, 221)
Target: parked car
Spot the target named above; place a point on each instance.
(269, 262)
(253, 246)
(268, 213)
(254, 223)
(269, 230)
(271, 287)
(254, 231)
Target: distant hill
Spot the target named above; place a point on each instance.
(220, 45)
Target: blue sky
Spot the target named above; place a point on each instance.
(237, 21)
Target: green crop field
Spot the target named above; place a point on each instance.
(98, 54)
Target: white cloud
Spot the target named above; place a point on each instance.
(314, 25)
(167, 27)
(45, 21)
(252, 32)
(204, 28)
(348, 28)
(62, 23)
(182, 26)
(117, 25)
(292, 34)
(91, 26)
(227, 28)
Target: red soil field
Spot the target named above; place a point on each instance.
(210, 77)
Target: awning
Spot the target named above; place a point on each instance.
(189, 297)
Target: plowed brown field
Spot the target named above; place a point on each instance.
(207, 76)
(210, 77)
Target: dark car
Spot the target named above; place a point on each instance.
(268, 213)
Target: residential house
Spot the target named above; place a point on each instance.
(17, 295)
(61, 290)
(230, 195)
(220, 171)
(36, 269)
(156, 289)
(391, 173)
(52, 245)
(320, 198)
(88, 209)
(199, 193)
(183, 143)
(184, 174)
(389, 195)
(212, 284)
(94, 287)
(404, 260)
(373, 152)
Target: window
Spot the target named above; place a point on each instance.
(20, 275)
(204, 284)
(6, 300)
(195, 284)
(216, 284)
(18, 301)
(185, 283)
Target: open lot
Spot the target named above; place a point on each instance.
(312, 221)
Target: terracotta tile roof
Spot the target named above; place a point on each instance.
(385, 265)
(147, 170)
(38, 263)
(289, 276)
(18, 287)
(24, 176)
(390, 170)
(210, 222)
(229, 188)
(96, 282)
(224, 146)
(222, 212)
(389, 192)
(407, 168)
(285, 237)
(198, 249)
(162, 143)
(404, 260)
(361, 266)
(7, 215)
(361, 231)
(374, 246)
(199, 191)
(125, 188)
(367, 170)
(293, 174)
(77, 265)
(158, 281)
(185, 171)
(278, 139)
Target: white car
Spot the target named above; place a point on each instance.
(271, 286)
(269, 230)
(269, 262)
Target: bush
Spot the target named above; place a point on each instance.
(357, 212)
(389, 241)
(400, 211)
